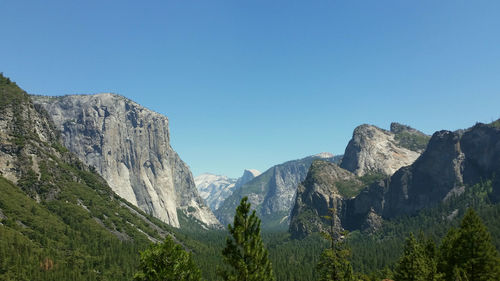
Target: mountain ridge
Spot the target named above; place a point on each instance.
(451, 162)
(272, 192)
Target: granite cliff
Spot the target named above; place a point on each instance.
(51, 202)
(374, 150)
(129, 146)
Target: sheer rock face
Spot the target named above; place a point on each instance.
(214, 189)
(129, 146)
(374, 150)
(273, 192)
(451, 161)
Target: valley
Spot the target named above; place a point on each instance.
(88, 182)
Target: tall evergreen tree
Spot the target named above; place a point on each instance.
(245, 255)
(334, 263)
(468, 253)
(167, 261)
(418, 261)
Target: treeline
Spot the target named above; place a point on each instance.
(372, 256)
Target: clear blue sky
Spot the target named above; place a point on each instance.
(249, 84)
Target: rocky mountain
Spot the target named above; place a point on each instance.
(272, 193)
(248, 175)
(326, 186)
(374, 150)
(214, 189)
(452, 162)
(59, 220)
(129, 146)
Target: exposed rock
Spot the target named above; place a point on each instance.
(437, 172)
(129, 146)
(248, 175)
(323, 188)
(451, 161)
(25, 133)
(214, 189)
(272, 193)
(374, 150)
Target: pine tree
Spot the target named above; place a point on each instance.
(245, 255)
(167, 261)
(334, 262)
(418, 261)
(469, 253)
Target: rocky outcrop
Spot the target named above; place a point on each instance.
(25, 134)
(325, 187)
(214, 189)
(272, 193)
(374, 150)
(452, 162)
(129, 146)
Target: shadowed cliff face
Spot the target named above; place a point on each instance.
(451, 161)
(129, 146)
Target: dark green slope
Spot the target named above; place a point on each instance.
(60, 221)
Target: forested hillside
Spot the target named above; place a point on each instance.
(58, 219)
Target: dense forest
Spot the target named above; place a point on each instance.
(373, 256)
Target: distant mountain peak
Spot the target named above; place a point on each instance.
(253, 172)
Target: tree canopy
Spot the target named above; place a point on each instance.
(167, 261)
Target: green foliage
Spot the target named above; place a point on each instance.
(10, 93)
(412, 141)
(351, 188)
(418, 261)
(495, 124)
(468, 252)
(334, 263)
(167, 261)
(245, 257)
(77, 228)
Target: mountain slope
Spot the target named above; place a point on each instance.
(129, 146)
(271, 193)
(58, 219)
